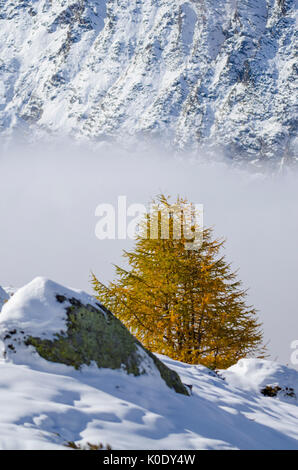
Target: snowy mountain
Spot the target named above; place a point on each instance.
(217, 74)
(44, 403)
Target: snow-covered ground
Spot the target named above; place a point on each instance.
(43, 405)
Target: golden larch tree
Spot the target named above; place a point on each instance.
(184, 303)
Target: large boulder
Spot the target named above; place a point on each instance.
(70, 327)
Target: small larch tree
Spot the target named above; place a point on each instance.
(184, 303)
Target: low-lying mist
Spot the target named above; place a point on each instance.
(48, 197)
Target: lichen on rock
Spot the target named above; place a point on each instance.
(90, 337)
(94, 337)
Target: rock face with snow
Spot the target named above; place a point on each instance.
(3, 297)
(69, 327)
(211, 73)
(269, 378)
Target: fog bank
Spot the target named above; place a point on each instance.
(48, 197)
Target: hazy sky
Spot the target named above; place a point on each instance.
(48, 199)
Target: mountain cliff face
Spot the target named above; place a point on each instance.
(199, 73)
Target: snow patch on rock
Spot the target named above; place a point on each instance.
(34, 308)
(257, 375)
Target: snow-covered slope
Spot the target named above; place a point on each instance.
(208, 72)
(43, 408)
(44, 404)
